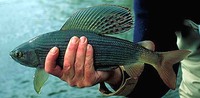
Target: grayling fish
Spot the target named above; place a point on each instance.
(109, 52)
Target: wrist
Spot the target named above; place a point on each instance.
(122, 88)
(115, 78)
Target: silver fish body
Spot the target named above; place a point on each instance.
(109, 52)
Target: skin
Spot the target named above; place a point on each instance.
(78, 67)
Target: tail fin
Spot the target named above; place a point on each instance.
(165, 68)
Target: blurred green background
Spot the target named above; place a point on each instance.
(21, 20)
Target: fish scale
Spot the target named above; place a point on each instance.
(107, 50)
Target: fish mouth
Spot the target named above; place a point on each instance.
(14, 57)
(12, 54)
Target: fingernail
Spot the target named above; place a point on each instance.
(53, 50)
(74, 39)
(83, 39)
(89, 46)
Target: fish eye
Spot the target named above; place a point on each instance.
(18, 54)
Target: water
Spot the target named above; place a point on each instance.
(20, 21)
(24, 19)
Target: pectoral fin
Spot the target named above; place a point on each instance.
(39, 79)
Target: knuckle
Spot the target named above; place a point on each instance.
(79, 71)
(89, 82)
(72, 83)
(80, 85)
(89, 60)
(89, 76)
(64, 78)
(78, 74)
(89, 50)
(88, 65)
(77, 63)
(89, 55)
(79, 68)
(81, 48)
(66, 67)
(65, 63)
(71, 47)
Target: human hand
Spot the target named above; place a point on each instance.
(78, 69)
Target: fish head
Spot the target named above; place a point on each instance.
(25, 55)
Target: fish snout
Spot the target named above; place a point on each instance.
(12, 53)
(16, 54)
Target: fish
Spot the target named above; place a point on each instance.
(96, 23)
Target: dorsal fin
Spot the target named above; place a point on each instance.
(101, 19)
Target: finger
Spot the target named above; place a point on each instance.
(50, 62)
(80, 59)
(69, 59)
(147, 44)
(89, 73)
